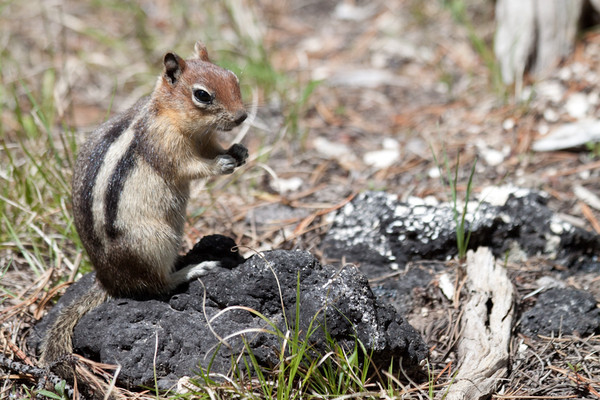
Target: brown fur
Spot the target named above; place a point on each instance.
(131, 185)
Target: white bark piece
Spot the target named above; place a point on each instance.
(588, 197)
(569, 135)
(446, 286)
(384, 158)
(577, 105)
(486, 327)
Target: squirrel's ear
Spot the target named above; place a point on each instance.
(201, 52)
(174, 66)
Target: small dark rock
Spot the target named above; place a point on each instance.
(562, 311)
(126, 331)
(398, 290)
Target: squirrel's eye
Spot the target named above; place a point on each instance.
(202, 96)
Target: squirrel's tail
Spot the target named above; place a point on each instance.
(57, 344)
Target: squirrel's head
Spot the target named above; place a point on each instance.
(198, 94)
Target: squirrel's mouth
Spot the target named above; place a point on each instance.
(225, 128)
(228, 126)
(232, 121)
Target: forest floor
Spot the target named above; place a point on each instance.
(344, 96)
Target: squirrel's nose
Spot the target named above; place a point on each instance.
(240, 117)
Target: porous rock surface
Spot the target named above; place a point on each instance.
(126, 331)
(381, 233)
(562, 311)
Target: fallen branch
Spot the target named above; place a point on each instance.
(40, 374)
(486, 328)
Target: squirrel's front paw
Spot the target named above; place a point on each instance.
(239, 152)
(226, 164)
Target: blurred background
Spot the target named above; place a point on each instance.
(343, 96)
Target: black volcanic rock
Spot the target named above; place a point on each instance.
(126, 331)
(562, 311)
(380, 233)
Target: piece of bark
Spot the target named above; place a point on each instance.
(569, 135)
(535, 34)
(486, 326)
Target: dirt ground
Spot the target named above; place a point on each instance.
(374, 92)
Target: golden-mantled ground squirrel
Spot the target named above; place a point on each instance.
(132, 181)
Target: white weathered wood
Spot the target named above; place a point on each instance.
(486, 327)
(515, 37)
(557, 23)
(569, 135)
(535, 32)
